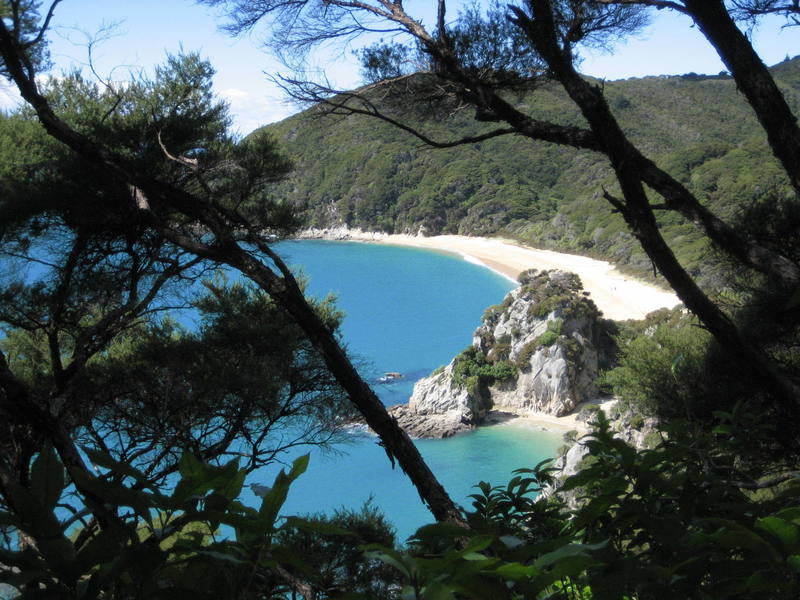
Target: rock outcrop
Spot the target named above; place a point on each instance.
(625, 423)
(534, 352)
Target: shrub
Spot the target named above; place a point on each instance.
(499, 352)
(504, 370)
(662, 371)
(472, 369)
(548, 338)
(636, 422)
(524, 356)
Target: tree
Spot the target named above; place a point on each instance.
(92, 350)
(551, 34)
(717, 23)
(204, 203)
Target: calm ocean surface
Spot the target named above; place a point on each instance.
(407, 310)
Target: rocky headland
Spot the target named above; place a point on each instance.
(536, 352)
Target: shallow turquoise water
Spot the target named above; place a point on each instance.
(407, 310)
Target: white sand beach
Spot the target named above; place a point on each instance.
(619, 296)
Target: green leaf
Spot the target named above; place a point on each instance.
(47, 478)
(436, 532)
(116, 494)
(102, 548)
(233, 487)
(516, 571)
(788, 533)
(723, 430)
(390, 557)
(732, 535)
(580, 479)
(437, 591)
(191, 468)
(789, 514)
(794, 562)
(569, 551)
(477, 544)
(274, 500)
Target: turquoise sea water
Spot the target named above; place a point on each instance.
(407, 310)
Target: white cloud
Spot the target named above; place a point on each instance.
(9, 96)
(253, 110)
(232, 93)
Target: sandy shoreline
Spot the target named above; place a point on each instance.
(619, 296)
(543, 422)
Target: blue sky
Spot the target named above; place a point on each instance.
(147, 29)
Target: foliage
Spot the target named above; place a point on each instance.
(555, 292)
(491, 47)
(675, 521)
(24, 17)
(167, 543)
(331, 547)
(679, 523)
(101, 358)
(670, 368)
(90, 295)
(662, 365)
(549, 337)
(472, 369)
(384, 61)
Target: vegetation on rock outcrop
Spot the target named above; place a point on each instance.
(535, 351)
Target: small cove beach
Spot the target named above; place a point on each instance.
(619, 296)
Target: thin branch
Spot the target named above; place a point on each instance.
(45, 26)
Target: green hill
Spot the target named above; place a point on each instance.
(368, 174)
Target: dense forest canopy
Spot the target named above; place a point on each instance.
(118, 426)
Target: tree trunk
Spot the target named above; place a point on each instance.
(753, 80)
(395, 441)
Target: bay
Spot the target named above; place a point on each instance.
(407, 310)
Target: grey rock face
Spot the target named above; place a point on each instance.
(440, 393)
(440, 406)
(535, 352)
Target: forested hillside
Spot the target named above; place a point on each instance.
(368, 174)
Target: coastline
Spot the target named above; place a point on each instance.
(617, 295)
(544, 422)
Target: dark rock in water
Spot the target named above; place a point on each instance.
(434, 426)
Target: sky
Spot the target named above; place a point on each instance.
(145, 30)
